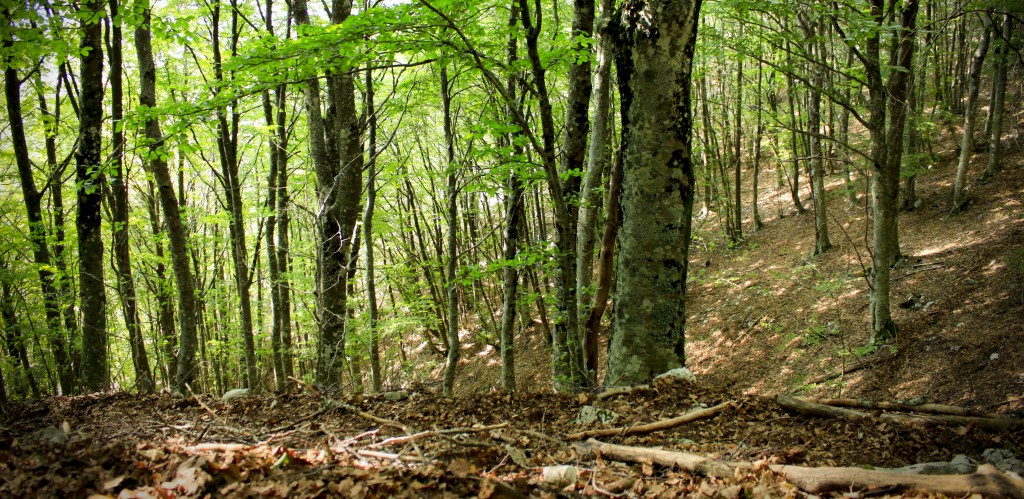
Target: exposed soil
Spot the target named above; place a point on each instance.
(766, 318)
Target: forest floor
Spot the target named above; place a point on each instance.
(765, 320)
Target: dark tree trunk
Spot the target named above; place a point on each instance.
(376, 380)
(657, 188)
(89, 180)
(186, 363)
(119, 208)
(36, 226)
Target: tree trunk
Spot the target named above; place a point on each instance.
(513, 219)
(657, 189)
(569, 370)
(371, 198)
(736, 234)
(17, 344)
(586, 231)
(119, 208)
(998, 98)
(186, 365)
(36, 225)
(967, 144)
(812, 29)
(451, 258)
(756, 213)
(89, 186)
(886, 154)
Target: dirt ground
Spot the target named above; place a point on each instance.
(413, 444)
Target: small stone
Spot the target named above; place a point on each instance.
(970, 281)
(678, 373)
(396, 396)
(54, 435)
(1003, 459)
(994, 356)
(590, 415)
(237, 393)
(560, 476)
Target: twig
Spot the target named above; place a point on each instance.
(658, 425)
(932, 266)
(429, 433)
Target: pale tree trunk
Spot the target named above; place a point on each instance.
(118, 201)
(736, 233)
(967, 144)
(998, 98)
(886, 154)
(586, 232)
(186, 364)
(451, 258)
(89, 186)
(812, 29)
(657, 189)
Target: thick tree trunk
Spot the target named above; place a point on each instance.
(657, 189)
(89, 186)
(186, 364)
(967, 143)
(886, 153)
(119, 209)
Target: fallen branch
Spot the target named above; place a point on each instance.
(651, 427)
(808, 408)
(946, 410)
(620, 390)
(433, 433)
(987, 480)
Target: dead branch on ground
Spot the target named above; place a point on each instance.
(651, 427)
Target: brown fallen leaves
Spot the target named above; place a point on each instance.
(494, 445)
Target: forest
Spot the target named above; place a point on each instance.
(468, 247)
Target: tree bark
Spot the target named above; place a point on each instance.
(186, 364)
(451, 258)
(89, 187)
(119, 208)
(657, 188)
(514, 193)
(36, 225)
(967, 143)
(812, 29)
(371, 199)
(999, 97)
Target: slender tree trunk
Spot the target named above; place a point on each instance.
(371, 198)
(119, 207)
(737, 218)
(998, 98)
(36, 225)
(794, 187)
(568, 366)
(451, 259)
(756, 215)
(586, 233)
(657, 189)
(812, 29)
(186, 364)
(606, 259)
(89, 180)
(17, 344)
(967, 143)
